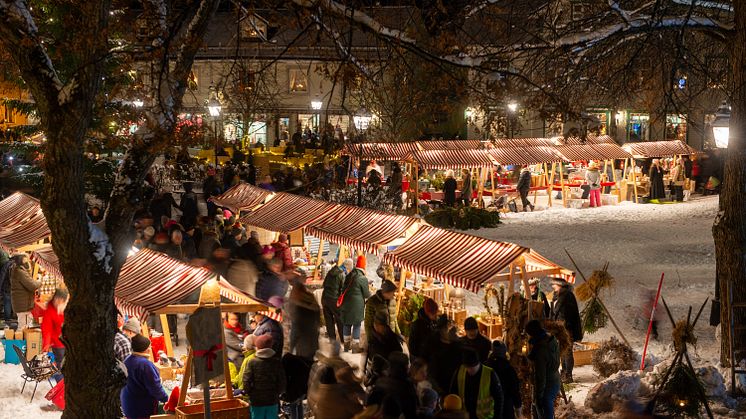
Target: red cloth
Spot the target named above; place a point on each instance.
(173, 400)
(236, 329)
(282, 250)
(51, 328)
(157, 344)
(209, 354)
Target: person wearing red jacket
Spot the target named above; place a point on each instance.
(282, 251)
(51, 325)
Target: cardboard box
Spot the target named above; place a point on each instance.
(166, 372)
(18, 335)
(10, 334)
(33, 342)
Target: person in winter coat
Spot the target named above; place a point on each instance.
(678, 179)
(333, 283)
(188, 206)
(382, 302)
(332, 400)
(51, 325)
(22, 289)
(475, 340)
(143, 391)
(243, 274)
(394, 391)
(234, 335)
(524, 187)
(422, 329)
(382, 341)
(209, 243)
(565, 308)
(297, 370)
(657, 189)
(352, 310)
(306, 318)
(466, 188)
(449, 189)
(264, 380)
(544, 356)
(593, 180)
(508, 379)
(270, 282)
(7, 267)
(478, 386)
(538, 295)
(444, 357)
(269, 326)
(282, 251)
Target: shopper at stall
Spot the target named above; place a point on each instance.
(282, 251)
(524, 187)
(565, 308)
(22, 289)
(132, 327)
(143, 390)
(508, 378)
(444, 357)
(382, 301)
(331, 399)
(382, 341)
(352, 308)
(657, 189)
(188, 205)
(264, 380)
(678, 178)
(333, 283)
(545, 358)
(478, 386)
(51, 325)
(449, 189)
(234, 335)
(122, 344)
(422, 329)
(394, 392)
(297, 370)
(593, 180)
(538, 295)
(8, 264)
(266, 325)
(305, 315)
(475, 340)
(271, 282)
(466, 188)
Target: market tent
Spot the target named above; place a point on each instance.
(242, 197)
(590, 139)
(22, 222)
(521, 142)
(526, 155)
(285, 213)
(381, 151)
(362, 228)
(593, 152)
(452, 159)
(459, 259)
(450, 145)
(659, 149)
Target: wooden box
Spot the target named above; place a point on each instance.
(436, 292)
(166, 371)
(33, 342)
(220, 409)
(491, 330)
(10, 334)
(585, 356)
(457, 316)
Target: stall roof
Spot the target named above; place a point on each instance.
(451, 144)
(287, 212)
(452, 159)
(381, 151)
(590, 139)
(659, 149)
(520, 142)
(593, 152)
(526, 155)
(362, 228)
(22, 222)
(150, 281)
(242, 197)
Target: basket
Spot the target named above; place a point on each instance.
(585, 357)
(220, 409)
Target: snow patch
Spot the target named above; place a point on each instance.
(103, 250)
(15, 405)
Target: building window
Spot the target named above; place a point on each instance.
(676, 127)
(598, 121)
(638, 127)
(8, 116)
(298, 81)
(254, 28)
(308, 122)
(717, 72)
(193, 81)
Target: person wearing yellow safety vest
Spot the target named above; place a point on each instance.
(479, 388)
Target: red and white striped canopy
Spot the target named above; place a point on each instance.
(242, 197)
(526, 155)
(590, 139)
(451, 145)
(381, 151)
(22, 222)
(593, 152)
(520, 142)
(459, 259)
(536, 262)
(362, 228)
(286, 212)
(452, 159)
(659, 149)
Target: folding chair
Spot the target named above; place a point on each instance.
(34, 374)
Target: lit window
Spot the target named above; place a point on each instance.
(298, 81)
(255, 28)
(675, 127)
(193, 81)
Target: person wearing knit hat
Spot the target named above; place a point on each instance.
(352, 307)
(263, 342)
(131, 327)
(475, 340)
(382, 302)
(143, 390)
(508, 378)
(361, 262)
(478, 387)
(545, 358)
(264, 379)
(382, 340)
(422, 329)
(564, 307)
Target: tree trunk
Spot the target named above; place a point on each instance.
(729, 230)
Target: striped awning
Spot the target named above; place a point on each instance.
(526, 155)
(451, 145)
(22, 222)
(452, 159)
(242, 197)
(286, 212)
(536, 262)
(362, 228)
(520, 142)
(590, 139)
(593, 152)
(381, 151)
(659, 149)
(459, 259)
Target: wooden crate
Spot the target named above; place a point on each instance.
(491, 331)
(457, 316)
(220, 409)
(585, 357)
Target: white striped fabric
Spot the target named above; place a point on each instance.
(659, 148)
(381, 151)
(450, 144)
(361, 228)
(461, 260)
(593, 152)
(286, 212)
(22, 222)
(526, 155)
(242, 197)
(452, 159)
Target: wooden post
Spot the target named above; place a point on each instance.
(634, 178)
(618, 186)
(511, 285)
(185, 380)
(145, 329)
(342, 255)
(536, 191)
(319, 259)
(480, 187)
(623, 180)
(550, 185)
(416, 191)
(492, 182)
(402, 280)
(167, 335)
(562, 185)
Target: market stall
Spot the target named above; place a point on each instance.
(22, 222)
(539, 156)
(669, 150)
(242, 197)
(579, 155)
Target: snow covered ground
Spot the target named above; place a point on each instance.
(639, 241)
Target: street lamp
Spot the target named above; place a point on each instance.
(361, 121)
(138, 103)
(316, 105)
(512, 107)
(721, 126)
(214, 108)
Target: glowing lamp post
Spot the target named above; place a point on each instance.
(721, 126)
(361, 121)
(215, 108)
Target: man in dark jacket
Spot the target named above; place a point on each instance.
(478, 387)
(422, 328)
(264, 380)
(394, 391)
(268, 326)
(545, 356)
(5, 270)
(508, 379)
(449, 189)
(444, 356)
(188, 206)
(297, 369)
(475, 340)
(333, 282)
(523, 187)
(270, 284)
(305, 316)
(565, 308)
(382, 340)
(381, 302)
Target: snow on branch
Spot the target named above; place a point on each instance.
(158, 10)
(706, 4)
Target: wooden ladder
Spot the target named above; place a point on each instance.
(732, 308)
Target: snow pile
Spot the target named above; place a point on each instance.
(15, 405)
(615, 390)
